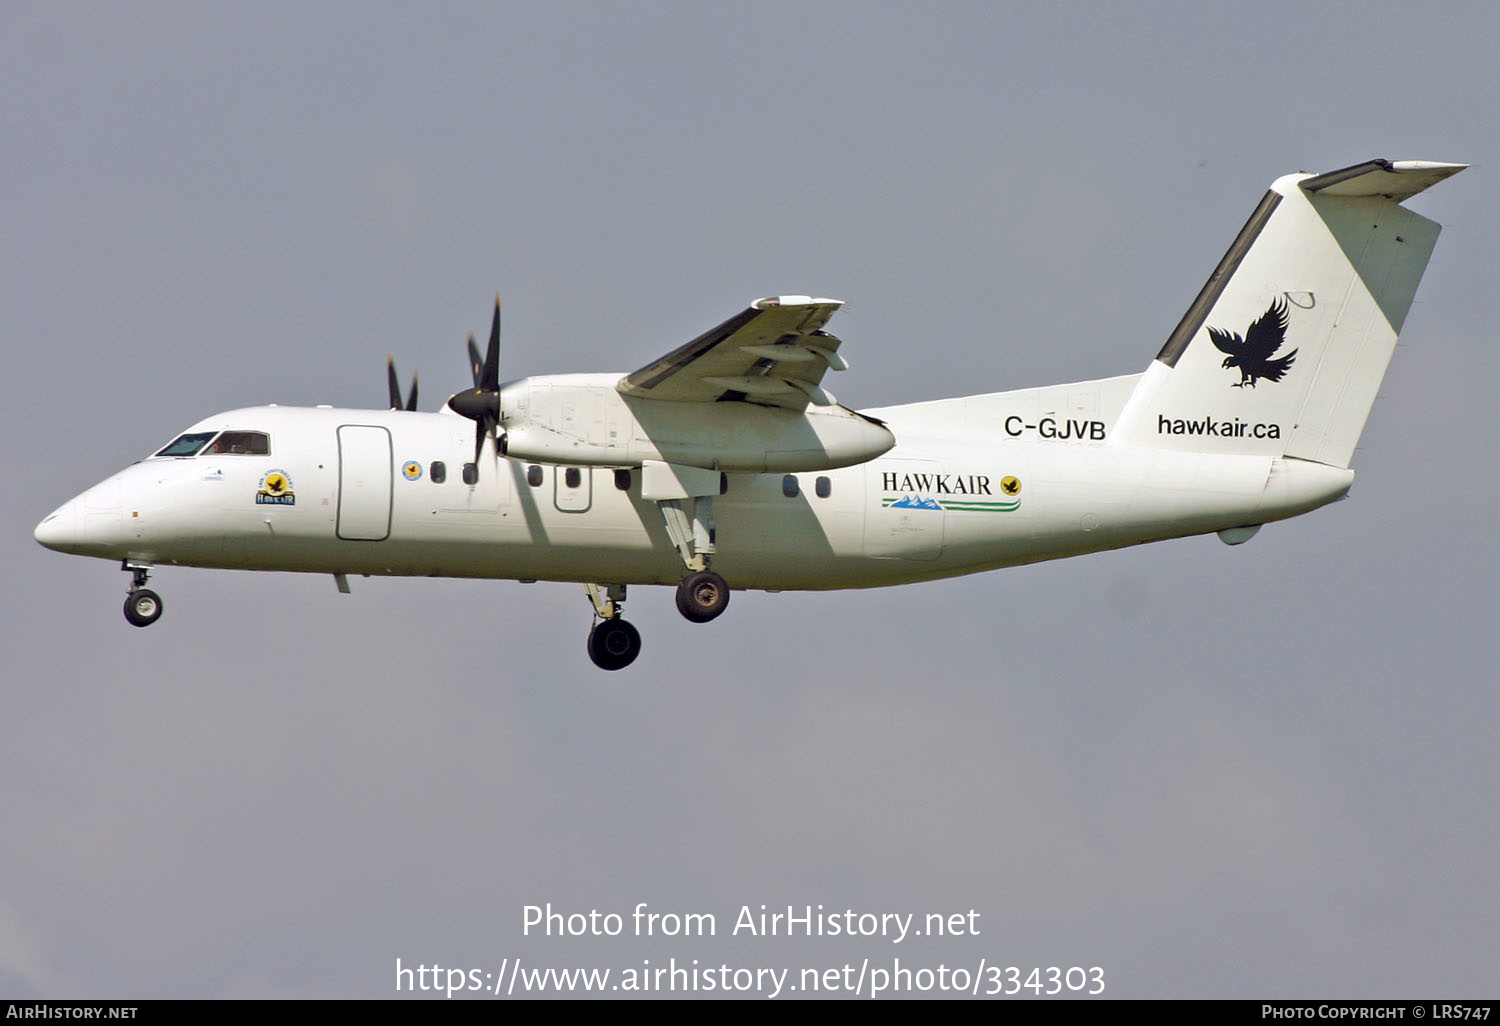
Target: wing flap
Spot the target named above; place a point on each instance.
(774, 353)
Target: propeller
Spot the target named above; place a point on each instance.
(396, 403)
(481, 404)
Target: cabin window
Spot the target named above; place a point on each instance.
(572, 477)
(534, 476)
(823, 487)
(240, 443)
(438, 471)
(789, 486)
(622, 480)
(723, 483)
(186, 445)
(471, 473)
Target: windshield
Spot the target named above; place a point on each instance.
(187, 445)
(240, 443)
(228, 443)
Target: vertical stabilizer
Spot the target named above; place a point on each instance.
(1283, 350)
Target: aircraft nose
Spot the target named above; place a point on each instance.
(63, 529)
(90, 524)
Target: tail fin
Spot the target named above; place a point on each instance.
(1284, 348)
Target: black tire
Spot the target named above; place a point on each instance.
(614, 644)
(702, 596)
(143, 607)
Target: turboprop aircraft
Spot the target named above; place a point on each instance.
(726, 464)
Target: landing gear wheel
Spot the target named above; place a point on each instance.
(142, 607)
(614, 644)
(702, 596)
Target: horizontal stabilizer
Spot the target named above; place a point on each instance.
(1393, 179)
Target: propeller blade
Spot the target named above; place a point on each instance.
(476, 365)
(491, 381)
(411, 404)
(481, 404)
(390, 372)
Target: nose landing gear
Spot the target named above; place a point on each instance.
(143, 606)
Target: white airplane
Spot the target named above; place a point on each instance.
(726, 464)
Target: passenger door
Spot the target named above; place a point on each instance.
(365, 480)
(573, 489)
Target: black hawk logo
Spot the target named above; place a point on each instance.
(1252, 354)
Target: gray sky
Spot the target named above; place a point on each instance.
(1267, 770)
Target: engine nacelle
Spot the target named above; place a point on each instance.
(583, 420)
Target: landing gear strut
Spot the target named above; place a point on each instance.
(613, 642)
(142, 605)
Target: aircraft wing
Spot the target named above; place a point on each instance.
(773, 354)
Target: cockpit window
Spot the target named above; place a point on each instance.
(240, 443)
(187, 445)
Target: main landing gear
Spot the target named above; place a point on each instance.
(613, 642)
(701, 596)
(142, 605)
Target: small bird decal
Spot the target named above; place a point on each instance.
(1252, 354)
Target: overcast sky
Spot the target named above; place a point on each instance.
(1249, 772)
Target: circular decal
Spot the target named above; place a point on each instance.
(275, 490)
(412, 470)
(1010, 485)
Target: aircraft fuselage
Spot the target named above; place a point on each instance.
(354, 492)
(729, 449)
